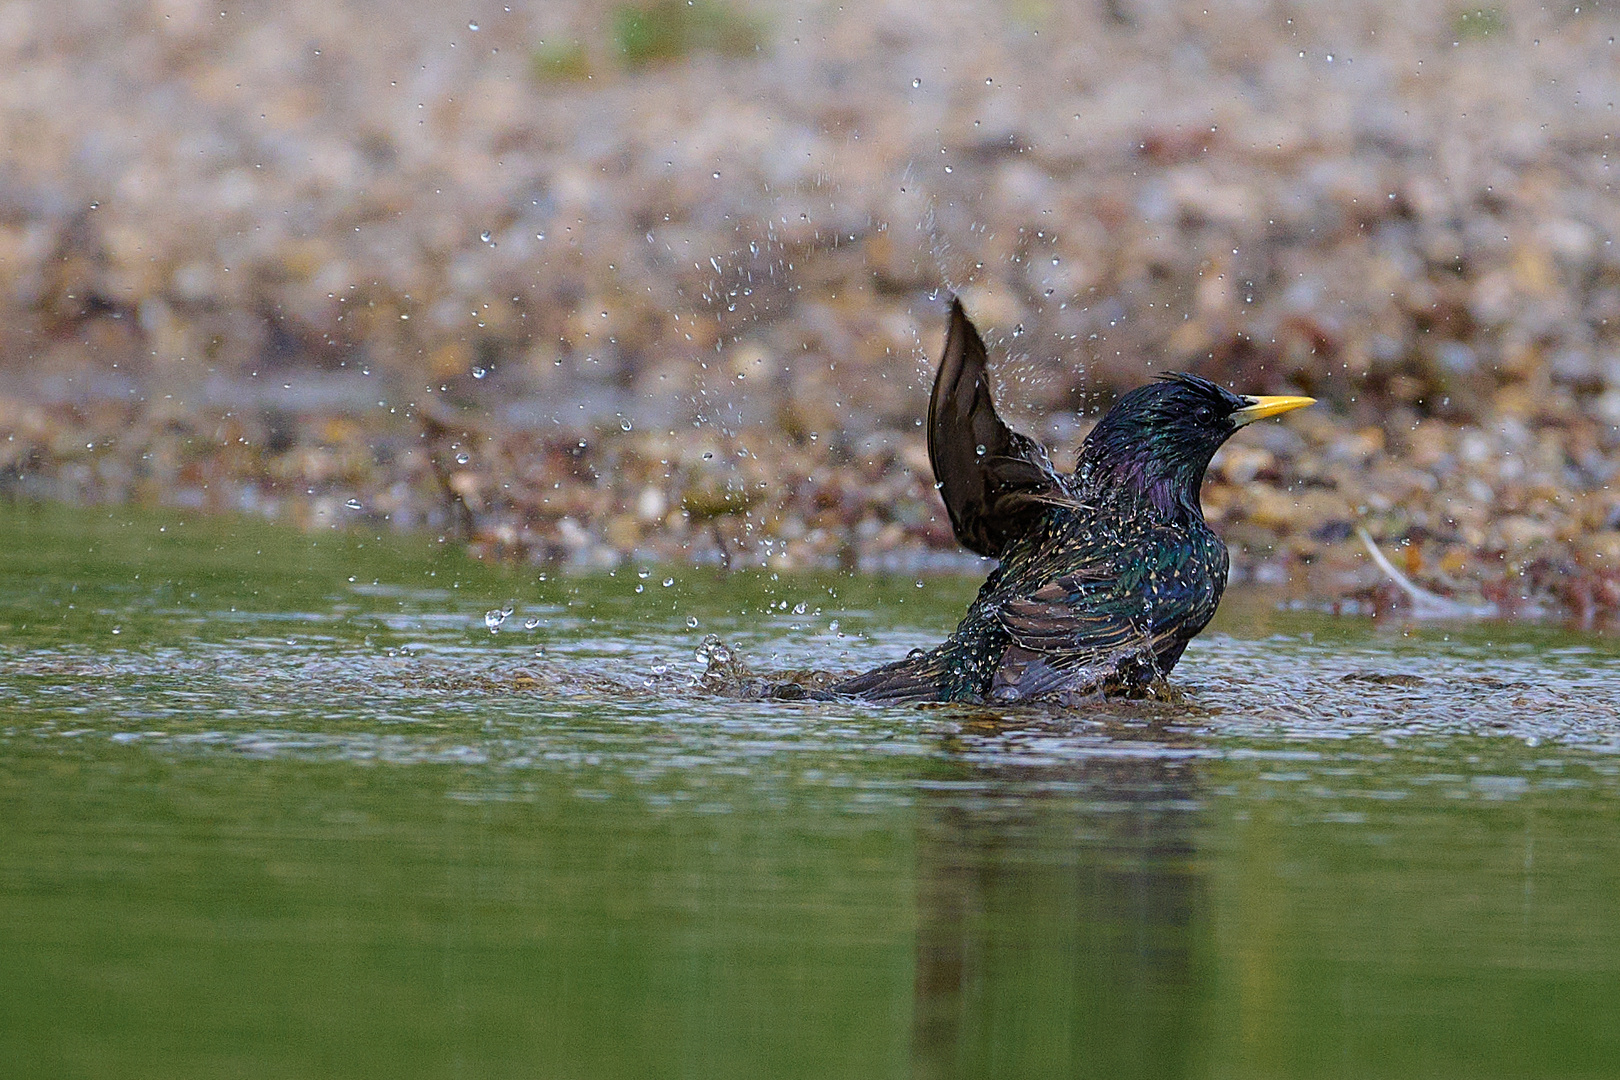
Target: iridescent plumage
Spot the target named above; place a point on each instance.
(1106, 574)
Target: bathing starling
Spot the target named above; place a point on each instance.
(1104, 574)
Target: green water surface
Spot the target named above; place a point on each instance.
(276, 805)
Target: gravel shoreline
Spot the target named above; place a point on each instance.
(576, 284)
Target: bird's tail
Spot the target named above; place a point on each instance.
(919, 677)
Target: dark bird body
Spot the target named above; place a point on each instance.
(1105, 574)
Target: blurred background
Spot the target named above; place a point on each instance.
(665, 279)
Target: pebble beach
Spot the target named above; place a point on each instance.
(598, 283)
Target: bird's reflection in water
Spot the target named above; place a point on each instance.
(1063, 913)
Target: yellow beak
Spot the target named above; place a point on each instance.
(1258, 408)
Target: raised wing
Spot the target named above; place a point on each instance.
(1128, 618)
(995, 482)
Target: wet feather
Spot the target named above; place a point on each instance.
(1105, 574)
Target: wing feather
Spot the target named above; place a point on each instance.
(995, 482)
(1108, 620)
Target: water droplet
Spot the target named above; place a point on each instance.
(691, 622)
(494, 617)
(717, 174)
(625, 424)
(531, 623)
(462, 458)
(668, 582)
(980, 450)
(799, 608)
(118, 629)
(916, 84)
(479, 373)
(487, 237)
(353, 504)
(644, 573)
(711, 651)
(473, 27)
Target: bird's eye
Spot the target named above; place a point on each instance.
(1204, 414)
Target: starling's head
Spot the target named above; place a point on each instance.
(1158, 438)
